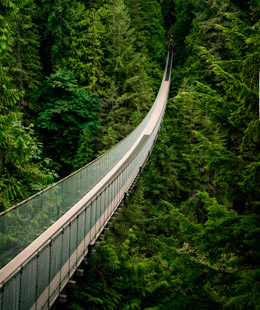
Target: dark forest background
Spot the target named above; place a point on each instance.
(77, 76)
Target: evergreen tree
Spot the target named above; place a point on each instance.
(65, 112)
(147, 21)
(87, 56)
(153, 26)
(180, 29)
(129, 93)
(24, 61)
(167, 13)
(56, 21)
(21, 170)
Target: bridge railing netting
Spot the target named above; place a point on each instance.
(38, 281)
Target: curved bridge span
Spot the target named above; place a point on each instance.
(46, 237)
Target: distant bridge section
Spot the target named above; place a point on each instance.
(44, 239)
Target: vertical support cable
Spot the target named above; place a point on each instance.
(1, 295)
(49, 289)
(61, 258)
(69, 227)
(77, 240)
(85, 229)
(117, 189)
(37, 273)
(20, 289)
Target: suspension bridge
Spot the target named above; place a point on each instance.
(44, 239)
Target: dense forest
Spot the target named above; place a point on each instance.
(77, 76)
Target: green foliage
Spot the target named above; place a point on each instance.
(146, 18)
(88, 44)
(21, 167)
(126, 100)
(86, 150)
(180, 29)
(56, 21)
(65, 111)
(24, 61)
(167, 12)
(153, 24)
(22, 170)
